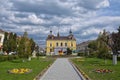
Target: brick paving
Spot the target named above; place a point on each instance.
(61, 69)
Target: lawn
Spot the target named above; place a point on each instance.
(37, 65)
(89, 65)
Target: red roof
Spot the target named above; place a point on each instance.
(1, 31)
(52, 37)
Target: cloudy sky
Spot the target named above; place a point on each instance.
(86, 18)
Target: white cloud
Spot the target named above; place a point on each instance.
(90, 31)
(84, 17)
(34, 19)
(105, 3)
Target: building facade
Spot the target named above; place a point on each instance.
(57, 45)
(1, 38)
(83, 47)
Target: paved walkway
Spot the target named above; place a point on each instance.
(61, 69)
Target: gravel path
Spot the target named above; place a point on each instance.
(61, 69)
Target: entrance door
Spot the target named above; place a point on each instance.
(60, 51)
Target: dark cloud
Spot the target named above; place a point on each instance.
(44, 7)
(93, 4)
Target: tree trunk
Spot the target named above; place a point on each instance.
(114, 59)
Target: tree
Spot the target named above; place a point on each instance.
(32, 44)
(22, 45)
(5, 43)
(103, 47)
(98, 47)
(113, 41)
(93, 45)
(25, 46)
(115, 46)
(10, 42)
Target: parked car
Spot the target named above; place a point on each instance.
(12, 53)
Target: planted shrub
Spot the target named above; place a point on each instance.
(8, 57)
(80, 54)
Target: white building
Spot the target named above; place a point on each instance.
(83, 47)
(1, 38)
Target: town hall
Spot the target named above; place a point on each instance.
(57, 45)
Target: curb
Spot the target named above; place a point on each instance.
(42, 72)
(79, 71)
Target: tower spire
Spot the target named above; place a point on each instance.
(50, 32)
(70, 32)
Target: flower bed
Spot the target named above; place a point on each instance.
(103, 71)
(80, 60)
(20, 71)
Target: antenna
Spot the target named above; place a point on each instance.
(58, 29)
(50, 30)
(70, 31)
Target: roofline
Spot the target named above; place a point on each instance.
(61, 39)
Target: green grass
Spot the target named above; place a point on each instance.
(88, 65)
(37, 65)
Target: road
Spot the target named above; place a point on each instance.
(61, 69)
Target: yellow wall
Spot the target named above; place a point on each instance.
(53, 42)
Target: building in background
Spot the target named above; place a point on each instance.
(57, 45)
(1, 38)
(83, 47)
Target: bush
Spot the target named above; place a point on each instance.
(8, 57)
(93, 54)
(3, 58)
(118, 58)
(80, 54)
(109, 56)
(69, 51)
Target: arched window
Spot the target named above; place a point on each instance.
(57, 44)
(50, 44)
(65, 44)
(71, 44)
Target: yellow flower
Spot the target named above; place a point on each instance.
(14, 70)
(20, 71)
(26, 70)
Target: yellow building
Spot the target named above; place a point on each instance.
(57, 45)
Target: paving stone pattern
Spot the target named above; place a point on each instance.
(61, 69)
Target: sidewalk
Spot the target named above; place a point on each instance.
(61, 70)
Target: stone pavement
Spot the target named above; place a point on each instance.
(61, 69)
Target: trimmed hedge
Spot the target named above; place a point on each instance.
(8, 57)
